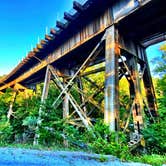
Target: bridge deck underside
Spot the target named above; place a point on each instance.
(145, 23)
(70, 61)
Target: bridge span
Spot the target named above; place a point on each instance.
(113, 33)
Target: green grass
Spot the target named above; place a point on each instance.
(154, 159)
(25, 146)
(39, 147)
(103, 158)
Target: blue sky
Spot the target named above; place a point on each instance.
(23, 22)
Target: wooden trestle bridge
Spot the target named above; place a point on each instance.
(114, 34)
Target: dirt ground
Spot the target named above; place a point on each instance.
(27, 157)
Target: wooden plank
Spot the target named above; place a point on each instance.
(77, 6)
(46, 85)
(60, 25)
(82, 98)
(10, 112)
(52, 31)
(48, 37)
(65, 103)
(68, 16)
(43, 98)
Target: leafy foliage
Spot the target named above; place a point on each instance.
(155, 134)
(154, 159)
(5, 131)
(30, 121)
(106, 142)
(161, 62)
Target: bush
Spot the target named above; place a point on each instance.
(102, 141)
(155, 134)
(30, 121)
(154, 159)
(5, 131)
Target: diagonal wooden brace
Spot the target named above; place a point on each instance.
(89, 58)
(77, 108)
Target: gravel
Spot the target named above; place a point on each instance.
(27, 157)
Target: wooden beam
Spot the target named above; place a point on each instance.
(65, 112)
(77, 6)
(48, 37)
(92, 82)
(65, 103)
(35, 50)
(53, 31)
(19, 87)
(91, 100)
(73, 102)
(10, 112)
(82, 99)
(82, 68)
(68, 17)
(135, 92)
(43, 42)
(94, 71)
(43, 98)
(60, 25)
(31, 54)
(39, 46)
(46, 85)
(111, 80)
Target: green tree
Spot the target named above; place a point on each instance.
(161, 70)
(155, 134)
(161, 62)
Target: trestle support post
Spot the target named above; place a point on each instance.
(111, 80)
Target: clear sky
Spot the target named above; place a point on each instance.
(23, 22)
